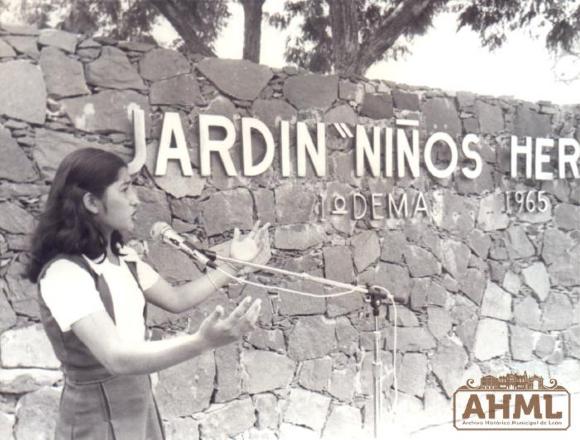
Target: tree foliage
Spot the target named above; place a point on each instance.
(350, 35)
(494, 19)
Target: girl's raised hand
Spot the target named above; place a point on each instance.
(254, 247)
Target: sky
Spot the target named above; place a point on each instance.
(443, 58)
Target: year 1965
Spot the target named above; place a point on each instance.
(526, 201)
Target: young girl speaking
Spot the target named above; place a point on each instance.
(92, 298)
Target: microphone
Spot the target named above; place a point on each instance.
(164, 232)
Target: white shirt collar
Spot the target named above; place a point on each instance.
(99, 264)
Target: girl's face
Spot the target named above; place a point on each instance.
(118, 205)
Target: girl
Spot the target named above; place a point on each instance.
(92, 298)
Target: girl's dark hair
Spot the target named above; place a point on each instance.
(65, 226)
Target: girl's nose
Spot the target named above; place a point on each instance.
(133, 197)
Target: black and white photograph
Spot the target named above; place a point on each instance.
(289, 219)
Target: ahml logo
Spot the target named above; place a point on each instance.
(511, 402)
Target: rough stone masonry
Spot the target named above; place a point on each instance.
(482, 290)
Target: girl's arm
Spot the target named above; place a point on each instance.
(98, 332)
(181, 298)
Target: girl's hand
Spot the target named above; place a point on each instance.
(219, 331)
(254, 247)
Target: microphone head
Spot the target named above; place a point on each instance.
(159, 229)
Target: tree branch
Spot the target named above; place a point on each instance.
(392, 28)
(179, 16)
(345, 30)
(252, 29)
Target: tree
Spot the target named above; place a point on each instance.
(348, 36)
(198, 22)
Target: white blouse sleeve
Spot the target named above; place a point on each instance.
(69, 293)
(147, 275)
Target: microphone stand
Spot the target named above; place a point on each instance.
(373, 295)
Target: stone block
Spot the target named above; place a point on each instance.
(66, 41)
(338, 264)
(6, 420)
(512, 283)
(298, 237)
(311, 337)
(350, 91)
(26, 380)
(294, 204)
(491, 216)
(240, 79)
(453, 213)
(27, 347)
(491, 339)
(64, 76)
(265, 205)
(421, 262)
(343, 113)
(365, 249)
(267, 339)
(572, 341)
(227, 210)
(405, 317)
(455, 258)
(412, 339)
(180, 90)
(267, 411)
(25, 98)
(518, 244)
(37, 414)
(419, 293)
(405, 100)
(521, 343)
(527, 313)
(311, 91)
(228, 373)
(544, 346)
(272, 111)
(265, 371)
(226, 421)
(377, 106)
(315, 374)
(24, 44)
(536, 277)
(395, 279)
(529, 123)
(557, 312)
(6, 50)
(106, 111)
(394, 245)
(113, 70)
(307, 409)
(497, 303)
(161, 63)
(343, 423)
(567, 217)
(342, 383)
(448, 365)
(182, 429)
(15, 165)
(347, 336)
(7, 315)
(484, 182)
(289, 431)
(438, 322)
(186, 388)
(441, 115)
(412, 374)
(490, 117)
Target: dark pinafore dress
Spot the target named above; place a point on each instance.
(96, 405)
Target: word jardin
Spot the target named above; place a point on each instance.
(384, 152)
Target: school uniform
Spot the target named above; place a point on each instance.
(94, 403)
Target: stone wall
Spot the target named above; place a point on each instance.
(481, 290)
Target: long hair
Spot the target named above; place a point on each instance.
(66, 226)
